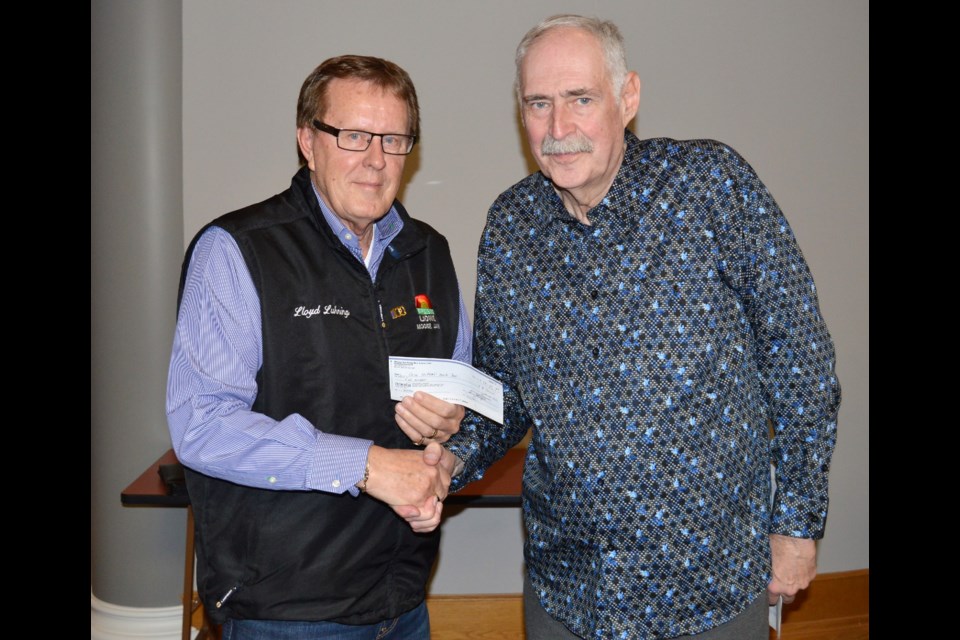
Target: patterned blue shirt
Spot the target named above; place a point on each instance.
(648, 351)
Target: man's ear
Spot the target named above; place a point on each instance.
(305, 141)
(630, 97)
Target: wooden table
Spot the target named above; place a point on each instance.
(500, 486)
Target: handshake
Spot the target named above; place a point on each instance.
(415, 483)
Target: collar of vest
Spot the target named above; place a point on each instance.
(408, 242)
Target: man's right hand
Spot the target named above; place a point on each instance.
(411, 485)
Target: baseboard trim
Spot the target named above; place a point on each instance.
(836, 606)
(844, 594)
(114, 622)
(470, 617)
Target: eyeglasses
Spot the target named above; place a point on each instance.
(396, 144)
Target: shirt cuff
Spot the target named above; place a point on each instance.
(457, 466)
(339, 463)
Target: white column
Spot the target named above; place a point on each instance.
(136, 248)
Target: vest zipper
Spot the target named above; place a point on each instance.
(226, 596)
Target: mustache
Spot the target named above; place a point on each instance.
(577, 143)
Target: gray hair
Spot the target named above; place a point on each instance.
(606, 33)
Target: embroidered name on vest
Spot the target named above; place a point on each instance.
(326, 310)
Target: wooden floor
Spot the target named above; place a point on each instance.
(835, 607)
(501, 618)
(855, 628)
(852, 628)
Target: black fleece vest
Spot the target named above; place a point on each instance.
(327, 333)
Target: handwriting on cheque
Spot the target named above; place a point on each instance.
(449, 380)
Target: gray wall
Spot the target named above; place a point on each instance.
(784, 82)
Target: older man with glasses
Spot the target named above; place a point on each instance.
(278, 401)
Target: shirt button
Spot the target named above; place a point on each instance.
(348, 236)
(272, 479)
(336, 484)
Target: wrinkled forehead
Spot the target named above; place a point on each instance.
(346, 97)
(566, 59)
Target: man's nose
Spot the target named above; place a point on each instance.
(374, 155)
(561, 123)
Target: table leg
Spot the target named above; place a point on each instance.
(188, 577)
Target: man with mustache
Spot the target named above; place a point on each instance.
(649, 312)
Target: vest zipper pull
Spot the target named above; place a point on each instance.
(225, 596)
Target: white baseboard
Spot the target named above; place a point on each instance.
(114, 622)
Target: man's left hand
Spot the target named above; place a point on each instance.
(794, 566)
(425, 418)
